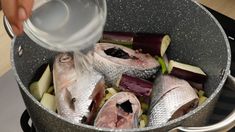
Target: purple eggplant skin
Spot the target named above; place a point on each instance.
(151, 43)
(121, 38)
(188, 75)
(198, 86)
(136, 85)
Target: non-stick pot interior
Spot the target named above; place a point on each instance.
(196, 37)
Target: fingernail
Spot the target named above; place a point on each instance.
(22, 14)
(15, 30)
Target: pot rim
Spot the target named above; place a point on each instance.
(217, 90)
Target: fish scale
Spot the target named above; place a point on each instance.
(112, 68)
(162, 86)
(173, 102)
(82, 92)
(110, 72)
(74, 94)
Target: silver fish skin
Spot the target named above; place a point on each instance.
(112, 116)
(171, 98)
(77, 97)
(140, 65)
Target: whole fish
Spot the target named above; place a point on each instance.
(121, 111)
(77, 97)
(171, 98)
(114, 60)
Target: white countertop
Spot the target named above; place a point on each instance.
(11, 104)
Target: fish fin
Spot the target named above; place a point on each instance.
(70, 99)
(96, 97)
(98, 92)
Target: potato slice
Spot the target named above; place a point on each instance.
(48, 101)
(163, 65)
(109, 92)
(37, 89)
(142, 124)
(143, 121)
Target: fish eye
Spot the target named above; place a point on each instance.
(65, 58)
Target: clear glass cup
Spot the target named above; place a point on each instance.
(66, 25)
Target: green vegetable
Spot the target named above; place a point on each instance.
(202, 99)
(163, 65)
(48, 101)
(201, 93)
(37, 89)
(144, 107)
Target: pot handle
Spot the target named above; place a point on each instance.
(223, 126)
(8, 28)
(24, 122)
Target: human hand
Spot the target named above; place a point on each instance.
(16, 12)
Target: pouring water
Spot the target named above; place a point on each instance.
(68, 26)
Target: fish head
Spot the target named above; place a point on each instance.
(77, 95)
(63, 71)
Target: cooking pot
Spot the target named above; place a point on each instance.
(197, 39)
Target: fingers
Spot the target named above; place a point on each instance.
(17, 30)
(9, 8)
(27, 5)
(16, 12)
(22, 14)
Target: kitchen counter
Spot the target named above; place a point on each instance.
(225, 7)
(11, 104)
(5, 44)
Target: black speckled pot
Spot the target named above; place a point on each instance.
(197, 38)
